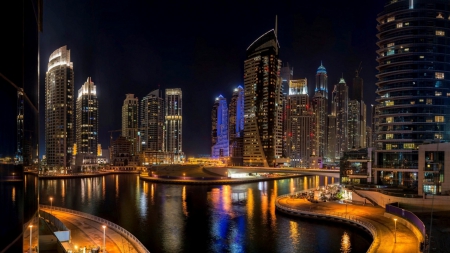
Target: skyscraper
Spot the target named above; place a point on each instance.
(354, 124)
(340, 106)
(299, 123)
(358, 113)
(320, 108)
(87, 119)
(219, 117)
(59, 109)
(130, 123)
(263, 102)
(152, 122)
(174, 123)
(413, 87)
(236, 126)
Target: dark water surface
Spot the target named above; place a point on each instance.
(199, 218)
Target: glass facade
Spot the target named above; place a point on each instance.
(413, 85)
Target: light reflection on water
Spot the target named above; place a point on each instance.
(199, 218)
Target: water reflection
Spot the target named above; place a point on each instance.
(345, 243)
(193, 218)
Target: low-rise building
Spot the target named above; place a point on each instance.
(434, 169)
(356, 166)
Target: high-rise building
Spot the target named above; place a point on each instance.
(219, 117)
(299, 116)
(340, 106)
(413, 87)
(263, 102)
(320, 108)
(130, 123)
(236, 126)
(87, 119)
(357, 95)
(331, 144)
(59, 109)
(152, 122)
(174, 123)
(354, 124)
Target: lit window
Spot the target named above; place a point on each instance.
(421, 100)
(389, 103)
(439, 75)
(437, 93)
(421, 57)
(440, 33)
(429, 120)
(389, 119)
(429, 101)
(388, 62)
(438, 136)
(389, 19)
(407, 23)
(390, 44)
(388, 146)
(409, 145)
(406, 49)
(439, 15)
(390, 52)
(439, 118)
(448, 94)
(389, 136)
(413, 102)
(399, 25)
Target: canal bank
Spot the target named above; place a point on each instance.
(388, 235)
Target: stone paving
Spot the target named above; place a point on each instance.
(406, 240)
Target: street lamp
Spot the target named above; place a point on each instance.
(184, 175)
(104, 233)
(51, 205)
(395, 230)
(31, 232)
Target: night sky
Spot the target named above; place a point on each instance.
(136, 46)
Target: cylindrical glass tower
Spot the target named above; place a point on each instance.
(413, 85)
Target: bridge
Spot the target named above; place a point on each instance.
(228, 171)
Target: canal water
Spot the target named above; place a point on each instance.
(199, 218)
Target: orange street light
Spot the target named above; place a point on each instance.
(104, 234)
(395, 230)
(31, 233)
(51, 205)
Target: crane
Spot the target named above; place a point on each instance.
(358, 70)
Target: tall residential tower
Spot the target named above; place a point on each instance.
(59, 109)
(174, 123)
(263, 102)
(87, 119)
(130, 127)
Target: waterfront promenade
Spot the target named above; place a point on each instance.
(89, 233)
(406, 241)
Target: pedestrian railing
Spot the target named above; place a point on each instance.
(130, 237)
(359, 221)
(409, 216)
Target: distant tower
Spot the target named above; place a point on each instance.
(87, 119)
(263, 129)
(59, 109)
(219, 115)
(152, 122)
(174, 123)
(358, 112)
(340, 104)
(320, 108)
(130, 125)
(236, 126)
(354, 124)
(299, 116)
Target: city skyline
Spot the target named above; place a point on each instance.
(106, 50)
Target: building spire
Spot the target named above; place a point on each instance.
(276, 25)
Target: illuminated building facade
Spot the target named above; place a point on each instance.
(59, 109)
(219, 117)
(236, 126)
(174, 123)
(357, 115)
(340, 106)
(299, 123)
(263, 110)
(320, 108)
(87, 119)
(354, 124)
(130, 123)
(413, 86)
(152, 121)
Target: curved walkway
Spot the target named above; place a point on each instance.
(385, 227)
(88, 233)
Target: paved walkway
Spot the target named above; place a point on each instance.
(88, 233)
(406, 240)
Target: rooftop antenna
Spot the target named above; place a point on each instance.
(276, 25)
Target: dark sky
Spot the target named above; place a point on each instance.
(199, 46)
